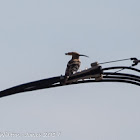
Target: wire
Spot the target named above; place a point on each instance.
(123, 68)
(120, 67)
(116, 71)
(135, 63)
(115, 61)
(119, 70)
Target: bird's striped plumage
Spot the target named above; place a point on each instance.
(73, 65)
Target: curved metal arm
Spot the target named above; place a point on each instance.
(121, 67)
(41, 84)
(123, 78)
(121, 74)
(55, 81)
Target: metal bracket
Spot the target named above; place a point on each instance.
(94, 72)
(135, 61)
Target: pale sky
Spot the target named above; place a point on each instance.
(34, 37)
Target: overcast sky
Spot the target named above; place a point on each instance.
(34, 37)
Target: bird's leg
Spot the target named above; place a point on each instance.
(66, 77)
(63, 82)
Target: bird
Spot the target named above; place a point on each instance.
(73, 65)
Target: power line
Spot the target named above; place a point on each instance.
(115, 61)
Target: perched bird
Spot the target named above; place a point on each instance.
(73, 65)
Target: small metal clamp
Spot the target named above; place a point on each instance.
(135, 61)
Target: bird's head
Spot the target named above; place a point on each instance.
(75, 55)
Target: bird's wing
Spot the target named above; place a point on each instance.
(72, 66)
(73, 62)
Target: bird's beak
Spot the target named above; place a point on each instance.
(83, 55)
(69, 53)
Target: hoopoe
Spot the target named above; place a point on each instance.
(73, 65)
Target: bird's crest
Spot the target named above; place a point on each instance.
(75, 55)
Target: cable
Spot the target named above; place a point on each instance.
(121, 67)
(115, 61)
